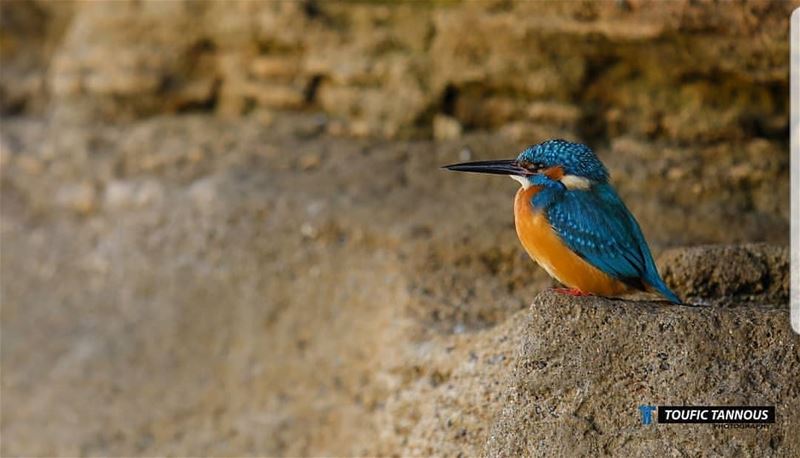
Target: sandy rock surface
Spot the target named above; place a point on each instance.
(225, 230)
(242, 288)
(585, 365)
(688, 71)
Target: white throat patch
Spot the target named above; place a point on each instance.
(569, 181)
(522, 180)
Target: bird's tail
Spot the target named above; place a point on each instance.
(658, 284)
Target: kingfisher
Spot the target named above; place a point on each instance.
(571, 221)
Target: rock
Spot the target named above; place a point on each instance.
(275, 95)
(5, 156)
(392, 68)
(30, 164)
(553, 113)
(252, 281)
(78, 197)
(446, 128)
(205, 193)
(390, 297)
(733, 274)
(462, 378)
(274, 67)
(126, 194)
(30, 33)
(159, 61)
(587, 364)
(310, 161)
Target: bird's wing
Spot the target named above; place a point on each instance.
(599, 228)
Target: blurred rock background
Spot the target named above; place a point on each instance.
(224, 230)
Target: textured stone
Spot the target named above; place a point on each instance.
(446, 128)
(587, 364)
(255, 284)
(303, 294)
(121, 195)
(274, 67)
(80, 197)
(746, 272)
(683, 71)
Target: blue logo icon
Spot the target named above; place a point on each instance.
(647, 412)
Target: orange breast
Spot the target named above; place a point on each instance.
(544, 246)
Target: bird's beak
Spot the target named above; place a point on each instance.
(501, 167)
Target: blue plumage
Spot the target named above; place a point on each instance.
(587, 217)
(574, 158)
(593, 222)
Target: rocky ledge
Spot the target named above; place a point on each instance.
(585, 365)
(194, 286)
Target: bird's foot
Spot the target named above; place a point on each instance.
(571, 292)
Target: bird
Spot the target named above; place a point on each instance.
(572, 222)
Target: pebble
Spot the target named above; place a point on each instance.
(204, 192)
(446, 127)
(310, 161)
(30, 165)
(126, 194)
(78, 197)
(307, 230)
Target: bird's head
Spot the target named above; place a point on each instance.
(572, 164)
